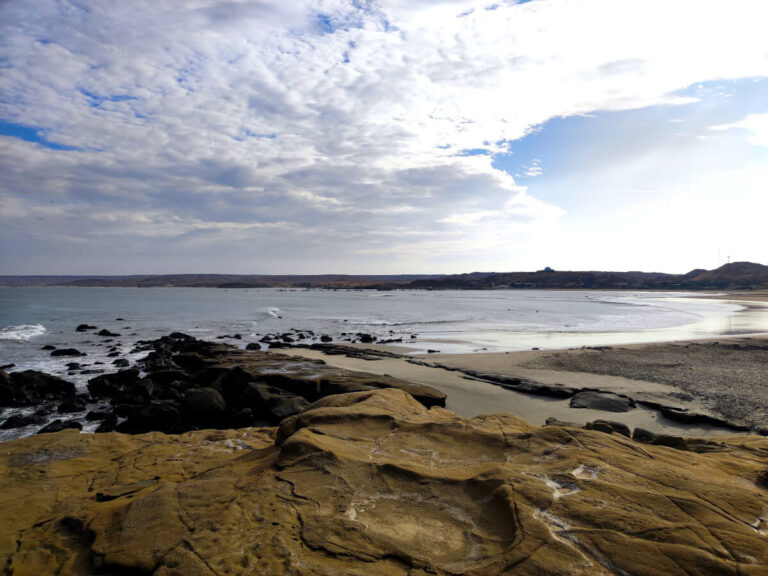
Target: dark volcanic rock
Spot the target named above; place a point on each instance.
(95, 415)
(121, 363)
(162, 416)
(112, 385)
(67, 352)
(595, 400)
(71, 405)
(32, 387)
(58, 425)
(48, 347)
(272, 404)
(326, 338)
(21, 420)
(106, 332)
(84, 327)
(253, 346)
(109, 424)
(203, 408)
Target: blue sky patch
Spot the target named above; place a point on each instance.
(30, 134)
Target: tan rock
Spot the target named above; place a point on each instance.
(372, 482)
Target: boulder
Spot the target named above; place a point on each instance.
(326, 338)
(643, 435)
(112, 385)
(121, 363)
(48, 347)
(595, 400)
(609, 427)
(162, 416)
(106, 332)
(84, 327)
(67, 352)
(203, 408)
(59, 425)
(32, 387)
(71, 405)
(21, 420)
(108, 424)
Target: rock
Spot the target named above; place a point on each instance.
(270, 403)
(609, 426)
(762, 479)
(108, 424)
(6, 367)
(253, 346)
(374, 483)
(73, 366)
(59, 425)
(203, 408)
(643, 435)
(162, 416)
(595, 400)
(95, 415)
(366, 338)
(676, 442)
(111, 385)
(326, 338)
(21, 420)
(67, 352)
(106, 332)
(84, 327)
(551, 421)
(48, 347)
(71, 405)
(121, 363)
(31, 387)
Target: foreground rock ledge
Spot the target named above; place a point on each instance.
(375, 483)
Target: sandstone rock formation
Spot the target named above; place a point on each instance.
(373, 482)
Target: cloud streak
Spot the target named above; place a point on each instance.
(317, 130)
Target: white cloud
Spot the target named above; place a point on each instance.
(757, 124)
(346, 119)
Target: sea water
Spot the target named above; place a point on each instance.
(445, 321)
(449, 321)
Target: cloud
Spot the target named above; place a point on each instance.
(756, 124)
(338, 123)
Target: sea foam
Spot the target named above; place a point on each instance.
(22, 332)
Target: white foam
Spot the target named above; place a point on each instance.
(22, 332)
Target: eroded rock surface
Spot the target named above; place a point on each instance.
(373, 482)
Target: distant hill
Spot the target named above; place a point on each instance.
(734, 276)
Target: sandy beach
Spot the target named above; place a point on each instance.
(723, 379)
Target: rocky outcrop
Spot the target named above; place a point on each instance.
(373, 482)
(31, 387)
(191, 384)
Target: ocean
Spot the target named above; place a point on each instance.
(420, 321)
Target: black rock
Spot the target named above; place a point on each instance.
(111, 385)
(71, 405)
(109, 424)
(48, 347)
(67, 352)
(677, 442)
(84, 327)
(106, 332)
(237, 337)
(21, 420)
(366, 338)
(203, 408)
(161, 416)
(253, 346)
(31, 387)
(73, 366)
(58, 425)
(606, 401)
(270, 403)
(95, 415)
(326, 338)
(121, 363)
(7, 366)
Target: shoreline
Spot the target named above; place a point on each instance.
(533, 385)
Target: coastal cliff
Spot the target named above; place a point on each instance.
(373, 482)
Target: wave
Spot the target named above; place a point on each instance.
(22, 332)
(272, 311)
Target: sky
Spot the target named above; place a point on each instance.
(388, 137)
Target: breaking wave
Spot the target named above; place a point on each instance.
(22, 332)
